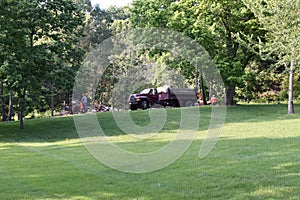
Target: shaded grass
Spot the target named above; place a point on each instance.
(257, 157)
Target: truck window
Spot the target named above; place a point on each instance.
(145, 91)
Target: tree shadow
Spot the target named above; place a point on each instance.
(251, 168)
(63, 128)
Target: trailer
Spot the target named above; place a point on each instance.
(179, 97)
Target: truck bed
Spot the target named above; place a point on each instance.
(180, 94)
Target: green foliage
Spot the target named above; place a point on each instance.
(84, 4)
(260, 85)
(281, 20)
(213, 24)
(38, 48)
(150, 13)
(285, 87)
(100, 26)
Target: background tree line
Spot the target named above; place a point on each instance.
(42, 45)
(255, 45)
(252, 42)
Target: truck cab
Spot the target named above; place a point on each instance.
(144, 100)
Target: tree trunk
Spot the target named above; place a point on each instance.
(291, 90)
(21, 119)
(229, 96)
(52, 100)
(202, 89)
(22, 109)
(3, 102)
(10, 109)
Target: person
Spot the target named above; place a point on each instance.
(81, 108)
(84, 102)
(213, 100)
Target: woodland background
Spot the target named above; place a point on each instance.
(43, 43)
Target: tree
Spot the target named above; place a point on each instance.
(101, 25)
(281, 21)
(213, 24)
(84, 4)
(39, 42)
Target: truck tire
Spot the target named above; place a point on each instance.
(176, 103)
(133, 107)
(163, 103)
(144, 105)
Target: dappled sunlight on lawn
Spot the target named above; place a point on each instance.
(274, 192)
(256, 159)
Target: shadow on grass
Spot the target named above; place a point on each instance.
(62, 128)
(251, 168)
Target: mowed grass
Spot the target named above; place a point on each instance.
(256, 157)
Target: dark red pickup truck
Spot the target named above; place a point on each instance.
(164, 96)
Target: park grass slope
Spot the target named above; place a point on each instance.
(256, 157)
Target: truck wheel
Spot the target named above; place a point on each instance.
(133, 107)
(176, 103)
(163, 103)
(144, 105)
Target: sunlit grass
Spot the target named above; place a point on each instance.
(256, 157)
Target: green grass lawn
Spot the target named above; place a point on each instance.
(256, 157)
